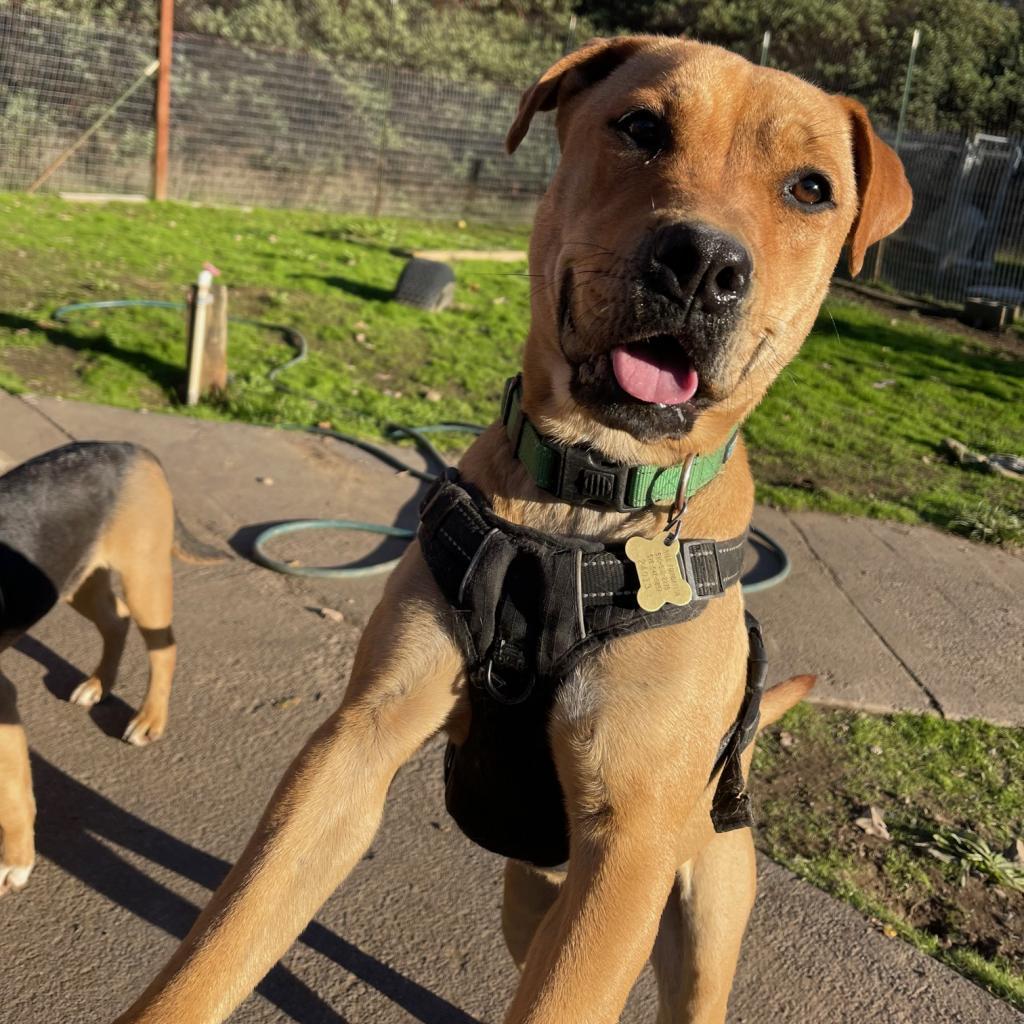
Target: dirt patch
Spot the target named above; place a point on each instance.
(44, 369)
(808, 801)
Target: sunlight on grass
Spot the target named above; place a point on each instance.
(851, 427)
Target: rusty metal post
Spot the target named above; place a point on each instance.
(163, 101)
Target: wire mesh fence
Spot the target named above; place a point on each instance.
(295, 130)
(56, 79)
(253, 126)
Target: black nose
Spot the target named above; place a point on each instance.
(696, 263)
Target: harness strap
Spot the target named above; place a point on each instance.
(730, 808)
(464, 526)
(580, 476)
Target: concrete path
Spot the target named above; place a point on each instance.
(132, 841)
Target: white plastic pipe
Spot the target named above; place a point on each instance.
(196, 349)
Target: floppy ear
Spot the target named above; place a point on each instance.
(593, 61)
(882, 187)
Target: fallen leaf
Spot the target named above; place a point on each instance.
(879, 384)
(333, 614)
(432, 395)
(1018, 847)
(286, 702)
(324, 425)
(267, 481)
(786, 739)
(874, 825)
(888, 931)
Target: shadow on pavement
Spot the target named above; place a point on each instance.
(72, 816)
(111, 715)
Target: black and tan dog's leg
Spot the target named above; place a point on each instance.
(17, 805)
(325, 812)
(95, 600)
(701, 930)
(149, 600)
(138, 545)
(529, 894)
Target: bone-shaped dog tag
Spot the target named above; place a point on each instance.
(661, 579)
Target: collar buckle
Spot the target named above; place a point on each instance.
(588, 479)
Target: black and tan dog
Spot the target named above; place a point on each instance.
(679, 259)
(70, 521)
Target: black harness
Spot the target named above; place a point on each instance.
(528, 607)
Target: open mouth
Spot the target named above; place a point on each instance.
(657, 370)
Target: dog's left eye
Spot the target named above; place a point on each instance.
(645, 130)
(810, 190)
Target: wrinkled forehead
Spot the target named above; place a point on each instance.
(716, 102)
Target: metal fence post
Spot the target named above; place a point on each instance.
(914, 43)
(876, 273)
(382, 151)
(553, 151)
(163, 100)
(570, 35)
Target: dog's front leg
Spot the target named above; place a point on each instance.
(325, 811)
(632, 742)
(594, 941)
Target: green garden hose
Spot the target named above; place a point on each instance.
(392, 433)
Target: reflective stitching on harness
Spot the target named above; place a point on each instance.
(454, 542)
(473, 561)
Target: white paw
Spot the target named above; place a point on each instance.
(88, 693)
(14, 877)
(143, 730)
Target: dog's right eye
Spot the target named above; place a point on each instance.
(645, 130)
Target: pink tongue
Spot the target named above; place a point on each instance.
(640, 372)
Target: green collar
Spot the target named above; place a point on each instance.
(580, 476)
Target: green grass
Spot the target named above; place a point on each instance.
(825, 437)
(818, 771)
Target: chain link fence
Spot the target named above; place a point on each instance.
(251, 126)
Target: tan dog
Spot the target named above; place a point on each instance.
(70, 521)
(682, 251)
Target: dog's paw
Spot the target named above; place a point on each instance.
(145, 728)
(14, 876)
(88, 693)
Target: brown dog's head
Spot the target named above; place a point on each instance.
(688, 237)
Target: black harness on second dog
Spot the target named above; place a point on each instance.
(528, 607)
